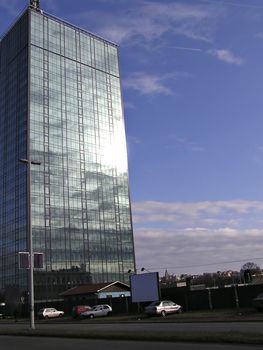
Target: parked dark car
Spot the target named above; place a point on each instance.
(78, 310)
(257, 302)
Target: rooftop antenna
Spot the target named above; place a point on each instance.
(35, 4)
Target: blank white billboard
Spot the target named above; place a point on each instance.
(145, 287)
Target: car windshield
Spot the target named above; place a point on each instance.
(155, 303)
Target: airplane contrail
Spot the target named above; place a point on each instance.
(185, 48)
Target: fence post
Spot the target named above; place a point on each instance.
(210, 299)
(236, 296)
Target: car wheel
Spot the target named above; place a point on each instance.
(60, 315)
(180, 310)
(163, 313)
(46, 317)
(91, 316)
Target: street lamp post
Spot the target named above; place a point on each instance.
(28, 162)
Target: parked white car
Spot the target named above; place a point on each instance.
(49, 313)
(162, 308)
(97, 311)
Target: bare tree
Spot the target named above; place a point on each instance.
(248, 270)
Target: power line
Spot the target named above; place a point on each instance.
(201, 265)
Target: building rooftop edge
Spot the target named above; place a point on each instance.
(13, 22)
(57, 19)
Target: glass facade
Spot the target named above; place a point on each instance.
(65, 87)
(13, 146)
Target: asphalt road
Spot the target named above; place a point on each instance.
(141, 327)
(213, 332)
(25, 343)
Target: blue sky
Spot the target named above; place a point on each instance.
(193, 97)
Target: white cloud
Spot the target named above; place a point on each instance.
(226, 56)
(196, 250)
(149, 21)
(211, 213)
(149, 83)
(197, 233)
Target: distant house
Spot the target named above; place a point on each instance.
(257, 279)
(90, 293)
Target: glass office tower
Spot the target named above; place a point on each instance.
(61, 103)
